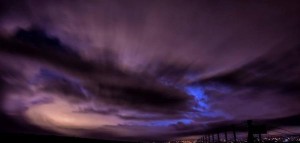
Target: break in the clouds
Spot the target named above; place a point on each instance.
(148, 69)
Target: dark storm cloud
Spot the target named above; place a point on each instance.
(143, 96)
(274, 70)
(266, 84)
(46, 55)
(11, 79)
(286, 121)
(114, 86)
(54, 82)
(36, 37)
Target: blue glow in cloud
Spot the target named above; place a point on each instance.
(199, 96)
(165, 122)
(202, 99)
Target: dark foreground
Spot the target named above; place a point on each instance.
(31, 138)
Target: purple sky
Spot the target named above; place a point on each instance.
(138, 69)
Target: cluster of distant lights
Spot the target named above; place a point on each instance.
(266, 139)
(283, 139)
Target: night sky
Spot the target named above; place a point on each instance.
(147, 69)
